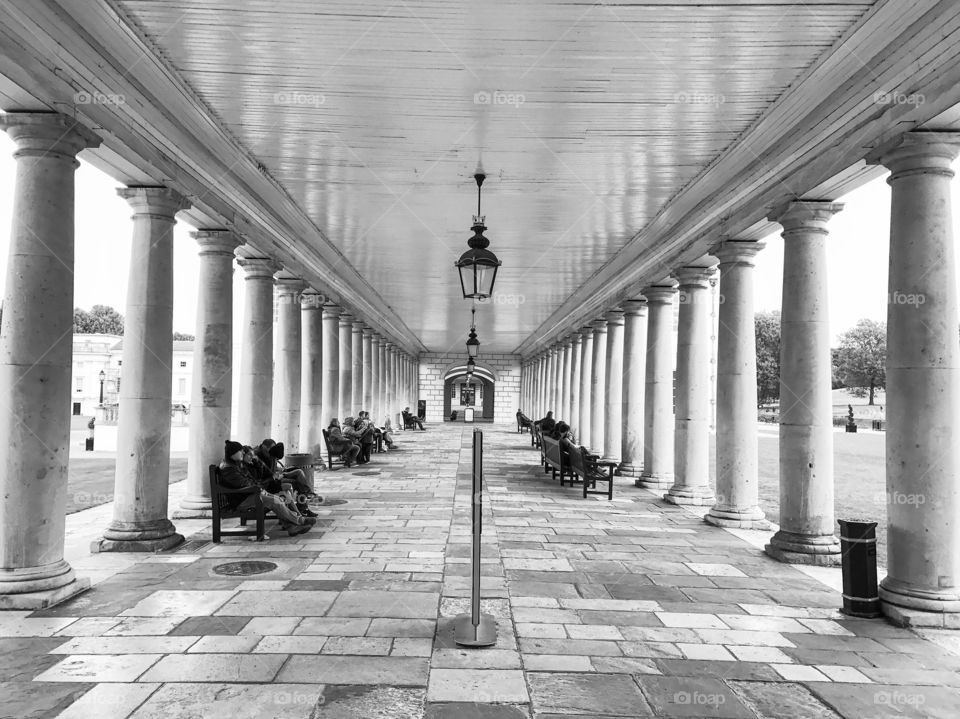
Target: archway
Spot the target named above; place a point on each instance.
(478, 393)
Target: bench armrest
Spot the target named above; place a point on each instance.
(606, 462)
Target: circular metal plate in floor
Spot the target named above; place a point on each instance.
(244, 569)
(332, 502)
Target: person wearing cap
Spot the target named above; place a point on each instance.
(340, 444)
(234, 475)
(270, 453)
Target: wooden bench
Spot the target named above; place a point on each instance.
(524, 423)
(331, 456)
(221, 509)
(553, 458)
(535, 435)
(590, 470)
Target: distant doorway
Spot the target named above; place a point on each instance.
(477, 393)
(76, 409)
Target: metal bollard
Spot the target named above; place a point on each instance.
(858, 545)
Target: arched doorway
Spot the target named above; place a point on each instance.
(478, 393)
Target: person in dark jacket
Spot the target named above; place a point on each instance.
(341, 445)
(270, 453)
(548, 423)
(411, 418)
(234, 475)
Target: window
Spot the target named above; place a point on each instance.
(183, 363)
(119, 362)
(79, 383)
(467, 394)
(182, 386)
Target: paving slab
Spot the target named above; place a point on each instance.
(237, 701)
(602, 694)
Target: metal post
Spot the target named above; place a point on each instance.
(476, 629)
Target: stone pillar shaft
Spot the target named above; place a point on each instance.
(383, 410)
(613, 388)
(367, 372)
(692, 422)
(598, 382)
(142, 477)
(658, 419)
(391, 376)
(345, 345)
(286, 388)
(35, 361)
(330, 389)
(356, 356)
(255, 392)
(575, 353)
(736, 446)
(634, 379)
(923, 384)
(565, 381)
(311, 375)
(586, 386)
(806, 414)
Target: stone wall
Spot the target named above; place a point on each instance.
(505, 367)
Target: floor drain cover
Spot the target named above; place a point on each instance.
(332, 502)
(244, 569)
(191, 546)
(368, 473)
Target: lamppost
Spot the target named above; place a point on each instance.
(103, 377)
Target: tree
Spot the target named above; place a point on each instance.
(863, 357)
(180, 336)
(767, 332)
(101, 319)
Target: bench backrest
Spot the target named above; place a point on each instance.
(551, 450)
(219, 501)
(577, 463)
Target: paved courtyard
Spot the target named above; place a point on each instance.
(629, 608)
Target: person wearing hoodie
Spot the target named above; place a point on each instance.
(341, 445)
(270, 453)
(235, 475)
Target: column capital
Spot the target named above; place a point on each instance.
(258, 268)
(737, 252)
(367, 332)
(598, 325)
(566, 341)
(694, 276)
(805, 215)
(636, 306)
(585, 331)
(311, 300)
(576, 338)
(47, 134)
(346, 319)
(662, 293)
(358, 326)
(217, 241)
(918, 152)
(331, 311)
(288, 285)
(162, 203)
(614, 316)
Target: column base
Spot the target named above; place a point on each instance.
(45, 578)
(46, 598)
(791, 548)
(654, 481)
(696, 496)
(907, 605)
(154, 536)
(626, 469)
(747, 518)
(194, 508)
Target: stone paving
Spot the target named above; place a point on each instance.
(623, 608)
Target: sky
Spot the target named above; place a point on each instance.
(857, 251)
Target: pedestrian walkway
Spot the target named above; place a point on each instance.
(623, 608)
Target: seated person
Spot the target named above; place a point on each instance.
(341, 445)
(235, 475)
(388, 433)
(523, 420)
(409, 419)
(548, 423)
(378, 437)
(361, 435)
(270, 453)
(564, 436)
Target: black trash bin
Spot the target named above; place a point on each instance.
(858, 546)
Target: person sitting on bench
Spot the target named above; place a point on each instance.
(360, 434)
(409, 419)
(377, 432)
(548, 423)
(341, 445)
(388, 433)
(270, 453)
(564, 436)
(234, 475)
(523, 420)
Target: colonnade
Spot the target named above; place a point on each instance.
(319, 362)
(641, 397)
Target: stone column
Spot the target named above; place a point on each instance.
(255, 393)
(356, 355)
(634, 378)
(550, 383)
(212, 394)
(692, 423)
(574, 420)
(585, 436)
(613, 387)
(366, 400)
(537, 388)
(566, 380)
(311, 375)
(142, 473)
(286, 387)
(345, 345)
(923, 384)
(736, 451)
(35, 361)
(598, 383)
(381, 380)
(658, 421)
(331, 364)
(391, 380)
(807, 523)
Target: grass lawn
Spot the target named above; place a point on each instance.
(90, 481)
